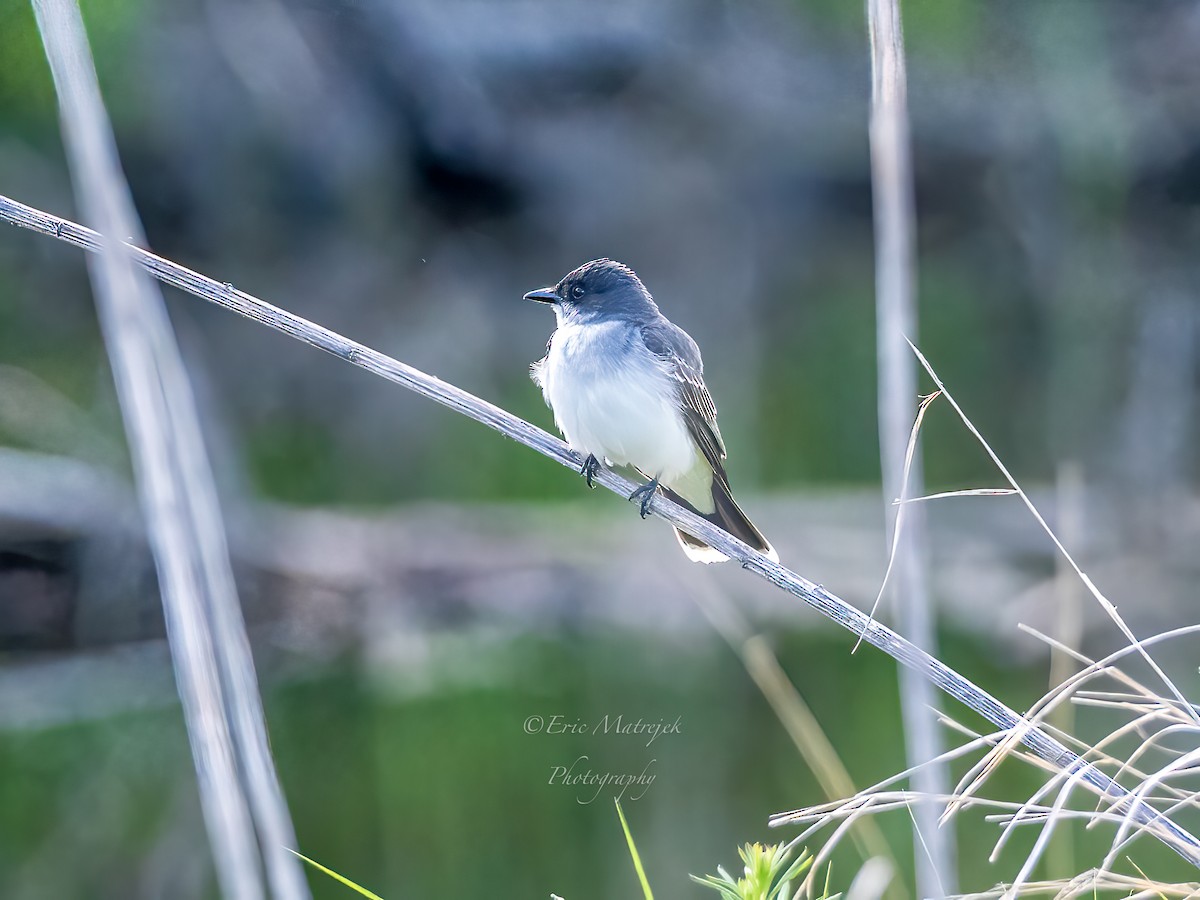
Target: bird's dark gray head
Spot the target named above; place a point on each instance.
(598, 290)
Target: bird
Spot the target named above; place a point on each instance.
(626, 386)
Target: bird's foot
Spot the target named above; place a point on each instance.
(646, 493)
(590, 467)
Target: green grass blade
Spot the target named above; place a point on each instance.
(784, 886)
(637, 860)
(346, 881)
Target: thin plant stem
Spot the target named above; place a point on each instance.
(239, 788)
(896, 317)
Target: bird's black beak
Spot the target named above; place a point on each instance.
(544, 295)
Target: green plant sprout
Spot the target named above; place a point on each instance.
(768, 873)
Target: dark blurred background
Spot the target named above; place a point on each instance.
(402, 172)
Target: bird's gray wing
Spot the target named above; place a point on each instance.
(675, 346)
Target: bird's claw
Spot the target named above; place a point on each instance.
(588, 470)
(646, 493)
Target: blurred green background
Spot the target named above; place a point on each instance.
(403, 173)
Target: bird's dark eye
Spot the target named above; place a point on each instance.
(577, 292)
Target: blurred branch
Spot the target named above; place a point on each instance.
(209, 647)
(829, 605)
(896, 318)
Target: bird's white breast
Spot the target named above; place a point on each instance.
(612, 398)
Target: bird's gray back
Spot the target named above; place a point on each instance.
(667, 341)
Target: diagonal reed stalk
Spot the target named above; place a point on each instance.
(240, 795)
(1053, 751)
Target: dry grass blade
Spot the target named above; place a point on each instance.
(970, 492)
(1148, 712)
(808, 885)
(1090, 883)
(878, 798)
(897, 530)
(1156, 718)
(1104, 602)
(1140, 793)
(1052, 817)
(973, 780)
(1159, 717)
(1151, 743)
(978, 774)
(851, 810)
(1063, 648)
(996, 737)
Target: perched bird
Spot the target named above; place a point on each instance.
(627, 387)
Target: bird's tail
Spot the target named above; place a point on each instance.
(725, 514)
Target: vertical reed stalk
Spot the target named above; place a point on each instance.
(239, 791)
(895, 283)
